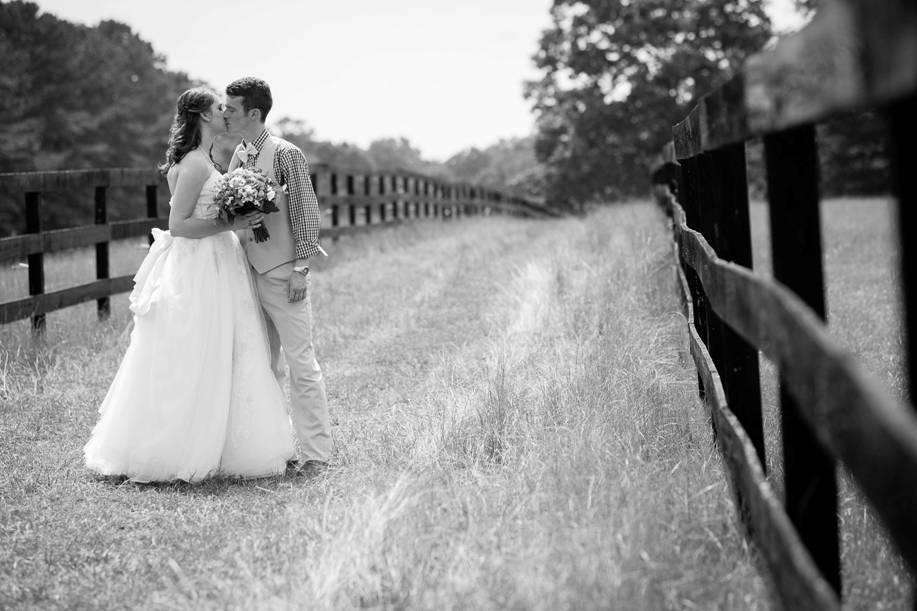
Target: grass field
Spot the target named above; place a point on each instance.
(515, 425)
(514, 428)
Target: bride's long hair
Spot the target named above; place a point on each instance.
(185, 133)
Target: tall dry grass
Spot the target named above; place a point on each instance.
(515, 428)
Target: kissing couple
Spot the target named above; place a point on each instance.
(198, 392)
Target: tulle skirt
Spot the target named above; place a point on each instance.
(194, 396)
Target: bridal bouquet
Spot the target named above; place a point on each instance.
(247, 190)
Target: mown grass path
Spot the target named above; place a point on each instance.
(515, 427)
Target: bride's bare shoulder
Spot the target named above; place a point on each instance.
(193, 162)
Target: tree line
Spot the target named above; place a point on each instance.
(617, 74)
(614, 76)
(76, 97)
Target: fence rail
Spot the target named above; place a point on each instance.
(855, 55)
(350, 203)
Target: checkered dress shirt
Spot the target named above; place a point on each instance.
(292, 169)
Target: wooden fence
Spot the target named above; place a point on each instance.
(350, 203)
(855, 55)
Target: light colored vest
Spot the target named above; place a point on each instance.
(281, 247)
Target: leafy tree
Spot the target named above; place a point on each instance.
(343, 155)
(400, 154)
(509, 164)
(74, 97)
(467, 165)
(618, 73)
(78, 97)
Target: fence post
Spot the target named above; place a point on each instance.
(152, 208)
(382, 204)
(335, 213)
(903, 130)
(902, 117)
(903, 126)
(732, 228)
(101, 218)
(439, 194)
(396, 213)
(367, 208)
(36, 261)
(408, 202)
(707, 204)
(323, 186)
(406, 193)
(689, 202)
(351, 208)
(335, 208)
(791, 159)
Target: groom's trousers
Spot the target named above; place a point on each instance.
(289, 325)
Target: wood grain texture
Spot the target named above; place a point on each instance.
(797, 581)
(808, 76)
(77, 179)
(407, 195)
(686, 135)
(18, 247)
(889, 55)
(872, 433)
(855, 54)
(48, 302)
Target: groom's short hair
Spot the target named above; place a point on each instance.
(254, 92)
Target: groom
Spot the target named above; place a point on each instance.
(280, 264)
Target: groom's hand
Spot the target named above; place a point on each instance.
(298, 287)
(250, 219)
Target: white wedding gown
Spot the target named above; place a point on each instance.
(194, 396)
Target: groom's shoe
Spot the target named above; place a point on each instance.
(307, 468)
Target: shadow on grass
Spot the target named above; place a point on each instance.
(210, 487)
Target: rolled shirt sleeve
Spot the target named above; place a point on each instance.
(305, 216)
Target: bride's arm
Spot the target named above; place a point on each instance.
(192, 175)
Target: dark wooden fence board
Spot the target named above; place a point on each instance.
(873, 434)
(76, 179)
(889, 57)
(686, 136)
(809, 75)
(855, 54)
(18, 247)
(798, 582)
(903, 135)
(400, 196)
(48, 302)
(810, 480)
(121, 230)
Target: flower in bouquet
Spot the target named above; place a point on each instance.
(246, 190)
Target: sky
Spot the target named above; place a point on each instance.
(446, 74)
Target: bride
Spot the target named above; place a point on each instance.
(194, 396)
